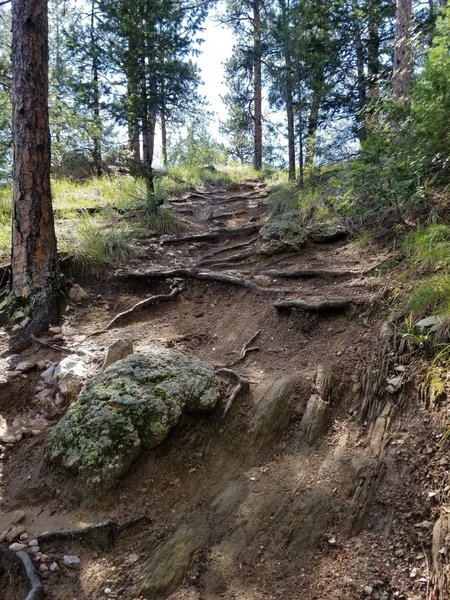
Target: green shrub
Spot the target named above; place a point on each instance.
(429, 248)
(431, 296)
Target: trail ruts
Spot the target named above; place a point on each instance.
(214, 235)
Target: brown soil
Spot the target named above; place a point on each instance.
(246, 507)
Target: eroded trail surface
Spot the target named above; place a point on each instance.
(296, 492)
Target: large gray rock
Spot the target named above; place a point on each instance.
(132, 405)
(285, 235)
(326, 233)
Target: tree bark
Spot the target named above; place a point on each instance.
(361, 81)
(164, 139)
(257, 76)
(97, 135)
(373, 51)
(401, 81)
(313, 121)
(290, 128)
(34, 264)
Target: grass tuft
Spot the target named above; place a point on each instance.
(431, 296)
(428, 248)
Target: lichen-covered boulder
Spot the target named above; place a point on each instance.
(285, 235)
(132, 405)
(326, 233)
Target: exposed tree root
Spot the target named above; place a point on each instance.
(234, 258)
(193, 274)
(242, 385)
(215, 235)
(26, 565)
(312, 273)
(103, 534)
(323, 306)
(142, 305)
(229, 248)
(246, 348)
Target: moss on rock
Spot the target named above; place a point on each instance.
(285, 235)
(132, 405)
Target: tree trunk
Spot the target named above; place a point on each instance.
(34, 263)
(257, 76)
(133, 124)
(164, 139)
(401, 81)
(361, 82)
(97, 136)
(373, 52)
(313, 121)
(291, 129)
(301, 175)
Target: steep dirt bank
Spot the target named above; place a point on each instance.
(313, 486)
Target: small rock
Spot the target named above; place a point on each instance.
(368, 590)
(118, 350)
(25, 322)
(17, 547)
(43, 558)
(54, 567)
(23, 537)
(55, 330)
(14, 533)
(71, 560)
(41, 365)
(48, 374)
(35, 550)
(108, 591)
(33, 542)
(413, 573)
(17, 517)
(43, 568)
(77, 294)
(3, 535)
(25, 366)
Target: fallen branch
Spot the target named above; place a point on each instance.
(323, 306)
(216, 234)
(142, 305)
(242, 385)
(45, 344)
(107, 530)
(246, 348)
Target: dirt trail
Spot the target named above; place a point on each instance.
(287, 497)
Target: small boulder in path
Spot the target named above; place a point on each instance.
(326, 233)
(284, 235)
(132, 405)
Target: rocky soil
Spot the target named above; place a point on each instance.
(320, 473)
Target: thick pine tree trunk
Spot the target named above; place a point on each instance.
(257, 76)
(401, 81)
(34, 264)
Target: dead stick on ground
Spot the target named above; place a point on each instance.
(246, 348)
(52, 346)
(242, 385)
